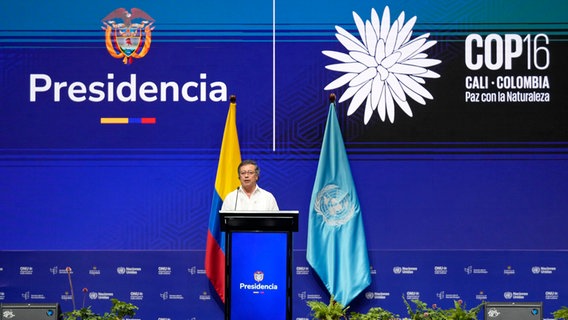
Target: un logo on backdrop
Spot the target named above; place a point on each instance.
(128, 35)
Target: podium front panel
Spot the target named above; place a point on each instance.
(258, 277)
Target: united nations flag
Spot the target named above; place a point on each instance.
(337, 249)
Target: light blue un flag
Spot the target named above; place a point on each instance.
(337, 249)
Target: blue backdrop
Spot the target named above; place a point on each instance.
(463, 200)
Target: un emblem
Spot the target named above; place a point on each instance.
(334, 205)
(128, 35)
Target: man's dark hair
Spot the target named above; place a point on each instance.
(245, 162)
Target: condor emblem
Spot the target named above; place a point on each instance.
(128, 34)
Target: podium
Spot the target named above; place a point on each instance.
(258, 263)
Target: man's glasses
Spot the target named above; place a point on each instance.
(250, 173)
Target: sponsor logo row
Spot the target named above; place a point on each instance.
(444, 270)
(28, 270)
(95, 295)
(444, 295)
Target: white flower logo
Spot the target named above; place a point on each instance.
(384, 67)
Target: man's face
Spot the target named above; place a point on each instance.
(248, 176)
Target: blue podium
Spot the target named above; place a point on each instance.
(258, 263)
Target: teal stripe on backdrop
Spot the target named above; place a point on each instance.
(473, 11)
(87, 15)
(172, 15)
(33, 22)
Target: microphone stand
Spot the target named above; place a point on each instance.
(237, 197)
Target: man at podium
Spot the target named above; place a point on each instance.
(249, 196)
(258, 252)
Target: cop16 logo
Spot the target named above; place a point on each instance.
(497, 52)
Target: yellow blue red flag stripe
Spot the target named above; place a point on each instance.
(128, 120)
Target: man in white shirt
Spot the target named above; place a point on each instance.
(249, 196)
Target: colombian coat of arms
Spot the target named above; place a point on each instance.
(128, 35)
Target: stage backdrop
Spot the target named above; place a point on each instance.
(453, 115)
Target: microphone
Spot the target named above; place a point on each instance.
(237, 197)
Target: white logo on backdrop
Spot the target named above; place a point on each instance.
(383, 68)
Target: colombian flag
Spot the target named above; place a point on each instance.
(226, 181)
